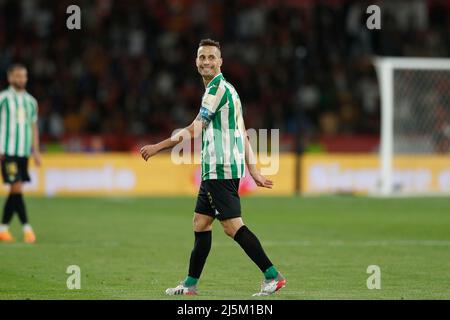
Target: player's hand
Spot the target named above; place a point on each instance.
(149, 151)
(262, 181)
(37, 159)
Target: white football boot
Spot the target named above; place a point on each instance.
(272, 285)
(181, 289)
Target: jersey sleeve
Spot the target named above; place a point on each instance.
(2, 99)
(211, 102)
(34, 113)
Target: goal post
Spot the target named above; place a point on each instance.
(415, 115)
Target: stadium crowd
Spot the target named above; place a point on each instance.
(129, 76)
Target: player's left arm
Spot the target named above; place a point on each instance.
(36, 146)
(250, 160)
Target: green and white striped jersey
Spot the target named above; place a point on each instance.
(223, 152)
(18, 111)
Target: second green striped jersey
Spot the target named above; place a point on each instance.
(223, 149)
(18, 112)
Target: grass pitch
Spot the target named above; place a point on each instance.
(135, 248)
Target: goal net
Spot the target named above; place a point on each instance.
(415, 125)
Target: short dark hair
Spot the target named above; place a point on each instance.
(15, 66)
(209, 42)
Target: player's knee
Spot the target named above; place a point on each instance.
(229, 230)
(231, 226)
(16, 188)
(200, 224)
(195, 222)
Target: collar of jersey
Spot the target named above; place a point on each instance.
(11, 88)
(215, 80)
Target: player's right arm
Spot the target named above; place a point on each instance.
(207, 112)
(189, 132)
(194, 130)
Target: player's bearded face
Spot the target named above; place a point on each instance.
(18, 78)
(208, 61)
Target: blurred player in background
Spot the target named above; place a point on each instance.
(225, 150)
(19, 138)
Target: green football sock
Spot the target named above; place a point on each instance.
(271, 273)
(189, 281)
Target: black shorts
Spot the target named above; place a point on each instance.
(219, 199)
(15, 169)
